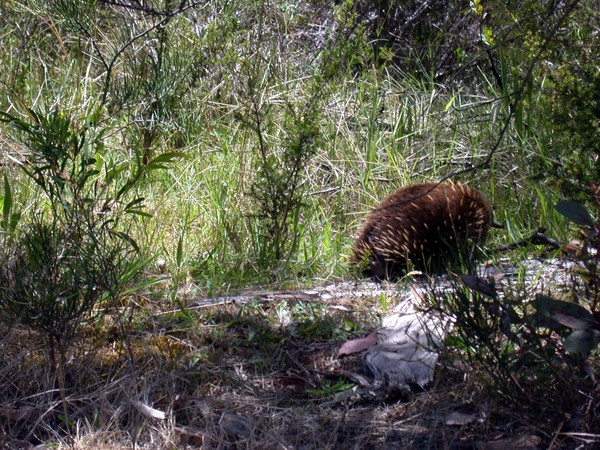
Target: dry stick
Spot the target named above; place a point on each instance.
(537, 238)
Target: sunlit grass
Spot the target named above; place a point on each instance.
(191, 86)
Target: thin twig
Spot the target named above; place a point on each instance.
(537, 238)
(135, 38)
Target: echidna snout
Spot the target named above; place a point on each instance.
(425, 226)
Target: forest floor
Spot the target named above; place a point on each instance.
(255, 369)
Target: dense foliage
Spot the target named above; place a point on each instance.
(276, 102)
(275, 126)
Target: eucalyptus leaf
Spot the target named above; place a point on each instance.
(568, 314)
(576, 323)
(163, 160)
(138, 212)
(479, 285)
(575, 212)
(179, 257)
(582, 341)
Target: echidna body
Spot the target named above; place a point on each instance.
(425, 226)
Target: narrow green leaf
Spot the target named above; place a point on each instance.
(135, 202)
(125, 237)
(164, 159)
(131, 270)
(450, 103)
(179, 257)
(145, 283)
(138, 212)
(6, 204)
(126, 187)
(14, 219)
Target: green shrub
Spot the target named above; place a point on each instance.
(538, 352)
(74, 257)
(74, 252)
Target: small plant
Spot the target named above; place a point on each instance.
(72, 260)
(583, 319)
(282, 158)
(55, 278)
(515, 355)
(536, 354)
(278, 188)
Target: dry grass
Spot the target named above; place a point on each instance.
(259, 375)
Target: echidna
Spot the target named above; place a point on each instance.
(426, 227)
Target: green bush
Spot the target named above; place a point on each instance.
(70, 262)
(574, 103)
(73, 252)
(538, 352)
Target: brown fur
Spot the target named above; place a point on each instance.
(425, 226)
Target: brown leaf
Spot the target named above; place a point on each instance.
(358, 345)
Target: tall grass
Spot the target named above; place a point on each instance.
(293, 126)
(187, 84)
